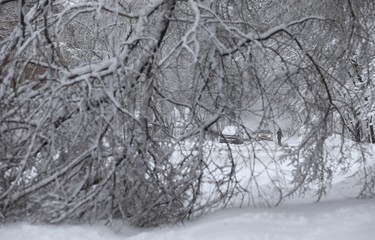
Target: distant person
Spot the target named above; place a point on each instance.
(279, 136)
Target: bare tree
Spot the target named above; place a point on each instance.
(89, 93)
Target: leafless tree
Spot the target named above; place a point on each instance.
(106, 107)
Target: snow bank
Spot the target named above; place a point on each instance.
(339, 219)
(335, 218)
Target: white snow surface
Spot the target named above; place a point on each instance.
(336, 217)
(230, 130)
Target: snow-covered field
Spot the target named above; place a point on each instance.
(332, 220)
(335, 217)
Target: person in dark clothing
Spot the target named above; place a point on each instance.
(279, 136)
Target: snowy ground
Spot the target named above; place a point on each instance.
(335, 218)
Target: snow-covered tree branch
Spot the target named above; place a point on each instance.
(114, 109)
